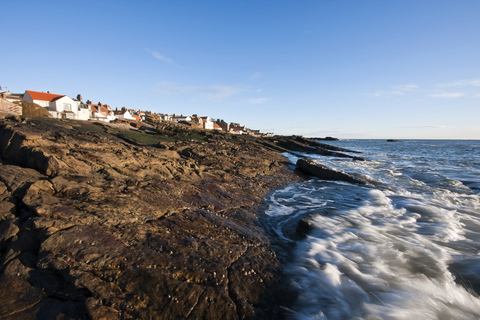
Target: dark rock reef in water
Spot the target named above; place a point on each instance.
(109, 222)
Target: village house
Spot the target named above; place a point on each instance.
(64, 107)
(59, 106)
(11, 97)
(123, 114)
(207, 123)
(179, 118)
(237, 129)
(222, 124)
(165, 117)
(101, 112)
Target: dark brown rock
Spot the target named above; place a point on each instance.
(325, 173)
(101, 223)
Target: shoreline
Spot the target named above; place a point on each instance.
(98, 225)
(111, 221)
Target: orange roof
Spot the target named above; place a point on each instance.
(138, 118)
(42, 95)
(98, 108)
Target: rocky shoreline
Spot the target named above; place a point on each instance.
(103, 221)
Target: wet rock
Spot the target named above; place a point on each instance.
(304, 227)
(325, 173)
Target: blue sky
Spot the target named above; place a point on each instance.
(348, 69)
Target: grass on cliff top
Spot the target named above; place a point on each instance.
(33, 109)
(155, 138)
(141, 137)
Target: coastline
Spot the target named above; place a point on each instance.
(100, 222)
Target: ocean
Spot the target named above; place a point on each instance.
(406, 248)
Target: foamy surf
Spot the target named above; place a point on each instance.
(410, 252)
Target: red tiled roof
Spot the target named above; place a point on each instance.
(42, 95)
(138, 118)
(98, 108)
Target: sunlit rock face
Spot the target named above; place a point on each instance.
(114, 222)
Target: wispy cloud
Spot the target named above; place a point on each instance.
(462, 83)
(448, 95)
(256, 100)
(256, 75)
(426, 127)
(160, 57)
(396, 90)
(216, 93)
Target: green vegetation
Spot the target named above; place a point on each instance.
(33, 109)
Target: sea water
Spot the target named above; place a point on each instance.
(406, 248)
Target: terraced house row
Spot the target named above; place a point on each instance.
(63, 107)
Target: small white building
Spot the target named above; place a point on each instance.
(101, 112)
(123, 114)
(179, 118)
(165, 117)
(208, 123)
(237, 129)
(59, 106)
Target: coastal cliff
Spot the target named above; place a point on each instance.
(106, 221)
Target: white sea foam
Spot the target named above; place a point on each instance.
(358, 264)
(410, 252)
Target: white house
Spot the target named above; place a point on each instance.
(207, 123)
(101, 112)
(84, 112)
(237, 129)
(59, 106)
(123, 114)
(181, 118)
(63, 107)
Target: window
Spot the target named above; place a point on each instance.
(67, 107)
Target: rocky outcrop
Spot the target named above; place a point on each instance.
(323, 172)
(301, 144)
(108, 222)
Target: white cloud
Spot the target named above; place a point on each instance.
(462, 83)
(215, 93)
(396, 90)
(403, 89)
(256, 100)
(158, 56)
(256, 75)
(447, 95)
(426, 127)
